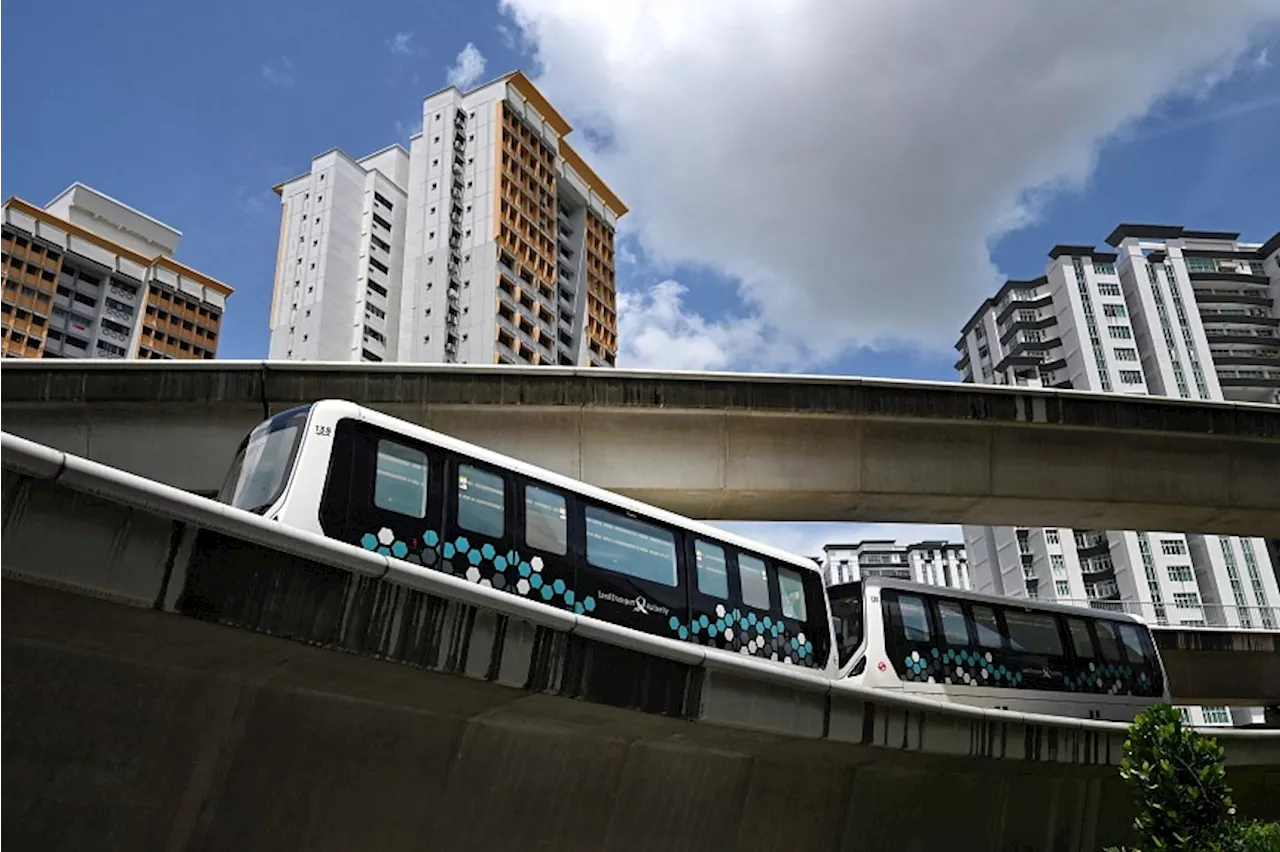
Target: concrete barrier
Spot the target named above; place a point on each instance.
(180, 675)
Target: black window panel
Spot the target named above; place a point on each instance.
(1107, 644)
(546, 520)
(987, 627)
(1081, 639)
(952, 622)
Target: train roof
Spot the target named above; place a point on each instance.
(568, 483)
(1001, 600)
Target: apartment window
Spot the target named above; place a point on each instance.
(378, 220)
(1108, 289)
(1057, 562)
(1181, 573)
(1104, 268)
(1173, 547)
(1186, 600)
(1062, 588)
(1114, 310)
(1130, 377)
(1120, 332)
(1216, 715)
(1124, 353)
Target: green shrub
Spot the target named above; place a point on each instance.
(1177, 780)
(1179, 785)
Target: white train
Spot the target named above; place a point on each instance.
(359, 476)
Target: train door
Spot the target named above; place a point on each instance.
(384, 493)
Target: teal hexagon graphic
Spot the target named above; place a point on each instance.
(448, 550)
(500, 563)
(399, 550)
(462, 544)
(558, 585)
(696, 626)
(684, 632)
(369, 541)
(568, 596)
(488, 551)
(589, 604)
(536, 581)
(385, 551)
(704, 621)
(579, 608)
(474, 557)
(768, 622)
(524, 569)
(430, 538)
(674, 622)
(712, 629)
(547, 593)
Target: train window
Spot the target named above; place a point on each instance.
(1107, 642)
(1034, 632)
(629, 546)
(713, 576)
(984, 619)
(954, 629)
(755, 581)
(1132, 642)
(400, 483)
(480, 501)
(915, 621)
(792, 589)
(545, 521)
(1080, 639)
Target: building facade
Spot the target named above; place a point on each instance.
(87, 276)
(938, 563)
(489, 241)
(1167, 312)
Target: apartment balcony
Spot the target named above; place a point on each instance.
(1234, 296)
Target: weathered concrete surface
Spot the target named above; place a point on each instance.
(286, 703)
(731, 447)
(1221, 666)
(128, 728)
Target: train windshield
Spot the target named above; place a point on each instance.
(259, 472)
(846, 608)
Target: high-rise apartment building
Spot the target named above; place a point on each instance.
(1169, 312)
(938, 563)
(87, 276)
(489, 241)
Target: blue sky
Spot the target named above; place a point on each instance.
(191, 112)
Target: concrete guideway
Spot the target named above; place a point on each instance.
(718, 446)
(199, 718)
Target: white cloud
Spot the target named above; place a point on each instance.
(656, 330)
(400, 43)
(468, 68)
(850, 162)
(278, 73)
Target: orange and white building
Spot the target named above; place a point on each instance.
(87, 276)
(490, 240)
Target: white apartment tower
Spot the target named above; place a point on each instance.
(938, 563)
(1170, 312)
(489, 241)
